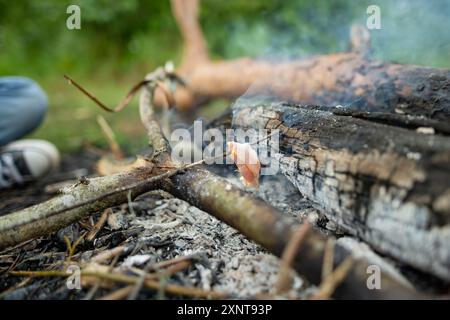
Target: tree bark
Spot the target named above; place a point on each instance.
(385, 184)
(347, 79)
(73, 204)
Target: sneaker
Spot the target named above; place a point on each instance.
(26, 160)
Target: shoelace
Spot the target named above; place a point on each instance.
(9, 174)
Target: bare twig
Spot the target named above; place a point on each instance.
(328, 257)
(121, 105)
(110, 137)
(333, 280)
(172, 289)
(166, 273)
(155, 80)
(98, 226)
(288, 256)
(108, 254)
(119, 294)
(167, 263)
(71, 247)
(97, 285)
(14, 287)
(173, 266)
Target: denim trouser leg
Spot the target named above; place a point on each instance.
(22, 107)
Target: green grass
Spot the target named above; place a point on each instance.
(71, 118)
(71, 121)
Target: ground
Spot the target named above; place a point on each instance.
(147, 237)
(155, 227)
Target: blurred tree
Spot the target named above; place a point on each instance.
(136, 34)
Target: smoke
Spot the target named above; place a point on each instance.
(412, 31)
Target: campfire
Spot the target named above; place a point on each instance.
(318, 198)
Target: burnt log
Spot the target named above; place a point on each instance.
(383, 183)
(346, 78)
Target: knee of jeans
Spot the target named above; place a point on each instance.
(23, 107)
(35, 103)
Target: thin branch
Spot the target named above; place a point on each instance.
(98, 226)
(328, 258)
(110, 137)
(333, 280)
(172, 289)
(122, 104)
(119, 294)
(288, 256)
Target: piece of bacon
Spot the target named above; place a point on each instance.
(247, 162)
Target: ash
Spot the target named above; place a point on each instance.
(226, 260)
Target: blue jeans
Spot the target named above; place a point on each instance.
(23, 105)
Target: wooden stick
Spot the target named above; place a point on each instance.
(119, 294)
(98, 226)
(110, 137)
(172, 289)
(74, 204)
(328, 258)
(333, 280)
(288, 256)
